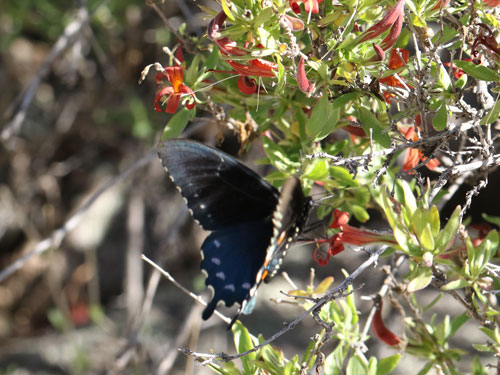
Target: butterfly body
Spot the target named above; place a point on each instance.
(252, 223)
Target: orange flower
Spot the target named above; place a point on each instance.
(414, 155)
(174, 75)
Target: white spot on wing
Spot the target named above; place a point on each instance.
(230, 287)
(220, 275)
(246, 286)
(216, 244)
(203, 206)
(216, 261)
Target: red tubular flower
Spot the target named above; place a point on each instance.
(228, 47)
(414, 155)
(355, 131)
(174, 75)
(379, 53)
(393, 35)
(304, 85)
(309, 5)
(399, 57)
(348, 235)
(256, 67)
(381, 331)
(487, 39)
(457, 72)
(247, 85)
(394, 19)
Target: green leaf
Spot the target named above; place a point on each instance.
(491, 219)
(477, 71)
(192, 72)
(477, 367)
(323, 119)
(457, 322)
(281, 74)
(426, 238)
(277, 155)
(263, 16)
(422, 228)
(444, 78)
(177, 123)
(483, 348)
(243, 342)
(370, 121)
(388, 364)
(486, 249)
(440, 120)
(492, 115)
(335, 360)
(356, 366)
(343, 177)
(492, 334)
(422, 280)
(317, 170)
(360, 213)
(410, 201)
(461, 82)
(323, 285)
(434, 220)
(226, 10)
(456, 284)
(444, 237)
(372, 366)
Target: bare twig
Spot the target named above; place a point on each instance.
(185, 290)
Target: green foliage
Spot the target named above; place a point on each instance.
(341, 123)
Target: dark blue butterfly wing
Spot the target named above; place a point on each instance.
(232, 258)
(219, 190)
(251, 223)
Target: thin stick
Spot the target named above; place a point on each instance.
(181, 287)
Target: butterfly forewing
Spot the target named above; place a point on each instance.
(219, 190)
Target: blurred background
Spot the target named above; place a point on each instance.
(80, 182)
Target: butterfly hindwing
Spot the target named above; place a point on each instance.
(219, 190)
(231, 258)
